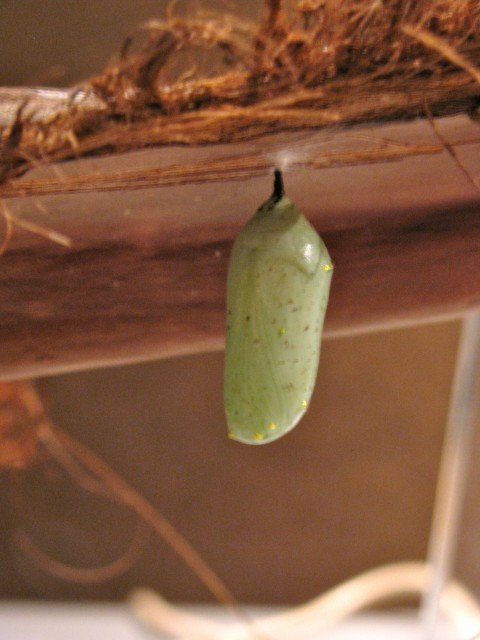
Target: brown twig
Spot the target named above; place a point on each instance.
(12, 221)
(450, 149)
(448, 52)
(8, 228)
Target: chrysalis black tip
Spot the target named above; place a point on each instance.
(278, 189)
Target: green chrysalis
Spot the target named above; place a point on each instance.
(278, 285)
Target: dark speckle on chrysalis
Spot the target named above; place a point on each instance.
(278, 285)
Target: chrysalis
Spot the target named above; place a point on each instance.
(278, 285)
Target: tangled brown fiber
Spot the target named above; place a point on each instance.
(28, 435)
(215, 78)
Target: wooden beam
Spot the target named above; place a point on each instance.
(145, 274)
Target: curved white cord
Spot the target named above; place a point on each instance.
(161, 616)
(370, 588)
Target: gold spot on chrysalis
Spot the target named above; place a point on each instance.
(282, 331)
(272, 426)
(327, 267)
(231, 435)
(304, 404)
(258, 436)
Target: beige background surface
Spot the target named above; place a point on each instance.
(349, 488)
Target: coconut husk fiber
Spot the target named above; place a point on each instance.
(214, 78)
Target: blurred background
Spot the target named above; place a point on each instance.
(352, 487)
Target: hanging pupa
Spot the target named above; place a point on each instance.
(277, 293)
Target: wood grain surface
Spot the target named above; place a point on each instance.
(145, 274)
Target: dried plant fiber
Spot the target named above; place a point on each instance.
(213, 78)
